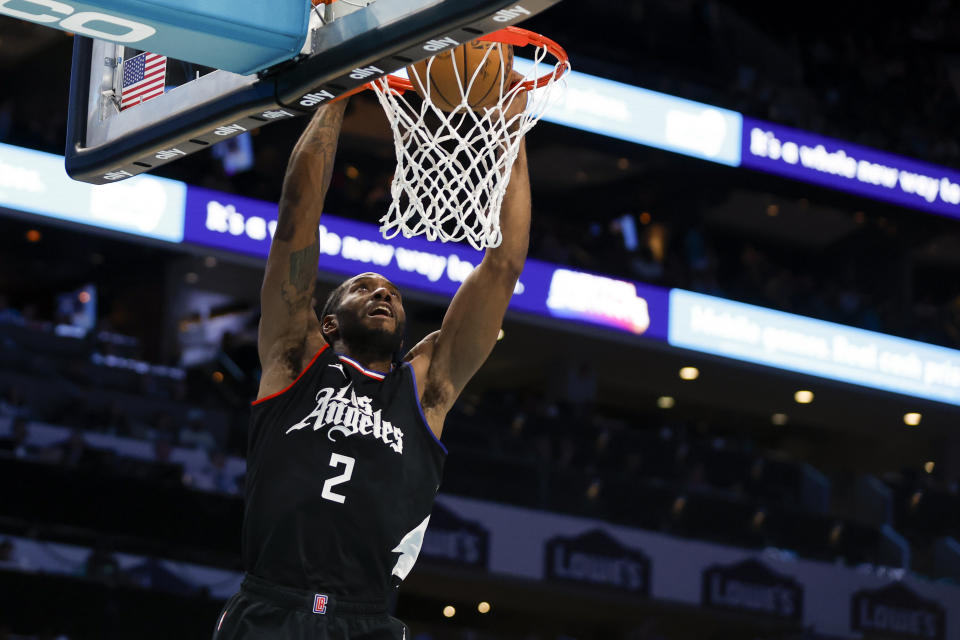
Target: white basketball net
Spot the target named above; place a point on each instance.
(453, 168)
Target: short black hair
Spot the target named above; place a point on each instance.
(333, 302)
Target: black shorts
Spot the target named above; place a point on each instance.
(265, 610)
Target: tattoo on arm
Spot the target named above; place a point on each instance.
(297, 290)
(308, 174)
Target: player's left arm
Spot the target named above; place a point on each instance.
(470, 327)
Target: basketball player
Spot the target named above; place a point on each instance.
(344, 456)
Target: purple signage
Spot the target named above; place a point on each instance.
(242, 225)
(850, 167)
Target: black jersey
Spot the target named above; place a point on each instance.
(342, 471)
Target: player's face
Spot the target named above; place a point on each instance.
(371, 313)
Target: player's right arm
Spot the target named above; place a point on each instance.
(286, 296)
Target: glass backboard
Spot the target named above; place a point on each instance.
(200, 106)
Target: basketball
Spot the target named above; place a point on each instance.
(455, 68)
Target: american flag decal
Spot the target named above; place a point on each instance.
(143, 78)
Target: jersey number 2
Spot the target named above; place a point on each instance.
(336, 460)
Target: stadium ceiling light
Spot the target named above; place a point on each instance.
(928, 466)
(33, 235)
(593, 491)
(483, 607)
(689, 373)
(803, 396)
(779, 419)
(911, 419)
(835, 534)
(666, 402)
(679, 504)
(449, 611)
(915, 499)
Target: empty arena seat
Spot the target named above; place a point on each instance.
(492, 477)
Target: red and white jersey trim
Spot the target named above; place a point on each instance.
(376, 375)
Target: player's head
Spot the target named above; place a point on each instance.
(365, 313)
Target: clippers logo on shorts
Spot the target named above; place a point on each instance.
(344, 412)
(320, 604)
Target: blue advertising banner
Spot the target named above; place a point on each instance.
(35, 182)
(850, 167)
(646, 117)
(795, 343)
(233, 223)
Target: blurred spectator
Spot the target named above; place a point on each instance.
(951, 321)
(165, 427)
(7, 313)
(162, 450)
(645, 266)
(567, 452)
(102, 565)
(75, 452)
(214, 476)
(194, 434)
(140, 429)
(14, 403)
(165, 469)
(543, 446)
(10, 559)
(151, 386)
(153, 574)
(16, 445)
(31, 317)
(73, 410)
(579, 391)
(114, 421)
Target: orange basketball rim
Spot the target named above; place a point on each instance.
(453, 166)
(516, 37)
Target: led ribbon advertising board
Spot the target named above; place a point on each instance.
(35, 182)
(243, 225)
(795, 343)
(152, 207)
(658, 120)
(646, 117)
(850, 167)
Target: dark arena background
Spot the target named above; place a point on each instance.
(725, 404)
